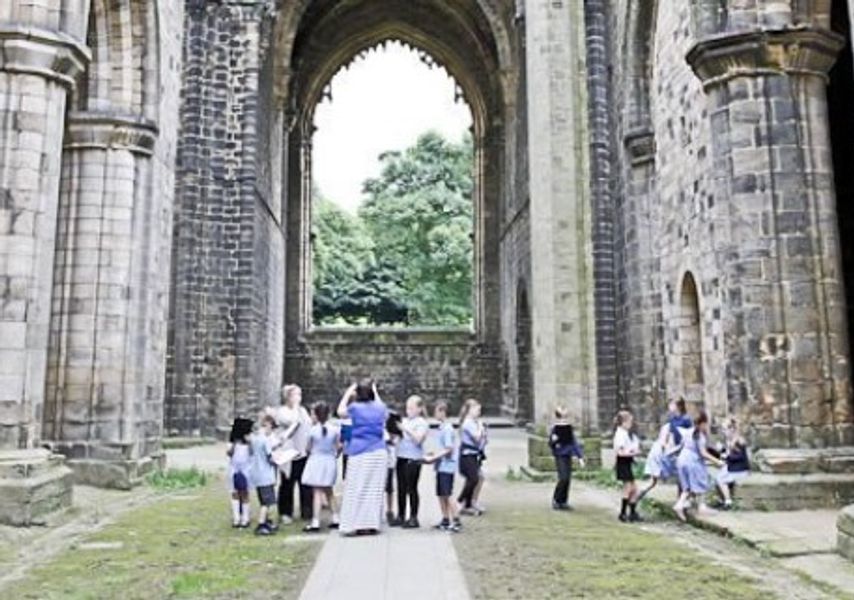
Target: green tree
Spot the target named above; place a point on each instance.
(419, 214)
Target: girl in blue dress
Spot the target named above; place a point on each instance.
(691, 467)
(321, 468)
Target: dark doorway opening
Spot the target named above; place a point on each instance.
(840, 96)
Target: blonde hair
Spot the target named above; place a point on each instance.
(467, 406)
(418, 401)
(560, 412)
(288, 390)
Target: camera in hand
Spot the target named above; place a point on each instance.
(392, 423)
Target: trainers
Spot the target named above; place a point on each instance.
(635, 518)
(311, 529)
(263, 529)
(396, 522)
(412, 523)
(468, 511)
(455, 527)
(442, 526)
(272, 526)
(285, 520)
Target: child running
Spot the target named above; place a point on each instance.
(410, 454)
(737, 466)
(626, 446)
(661, 460)
(564, 446)
(691, 467)
(239, 461)
(473, 439)
(263, 472)
(446, 466)
(321, 469)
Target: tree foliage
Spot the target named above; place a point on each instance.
(407, 256)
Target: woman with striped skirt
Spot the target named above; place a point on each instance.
(364, 488)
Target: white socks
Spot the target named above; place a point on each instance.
(235, 512)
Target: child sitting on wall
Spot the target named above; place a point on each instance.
(737, 463)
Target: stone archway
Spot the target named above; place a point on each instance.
(436, 364)
(690, 338)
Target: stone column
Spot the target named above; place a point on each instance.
(785, 337)
(98, 411)
(37, 69)
(562, 305)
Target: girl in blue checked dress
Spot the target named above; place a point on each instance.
(691, 467)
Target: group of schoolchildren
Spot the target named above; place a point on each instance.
(269, 451)
(681, 451)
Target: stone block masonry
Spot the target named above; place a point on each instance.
(437, 364)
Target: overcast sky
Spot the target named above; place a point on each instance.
(382, 102)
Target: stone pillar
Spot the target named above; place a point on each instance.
(102, 408)
(37, 69)
(562, 288)
(788, 373)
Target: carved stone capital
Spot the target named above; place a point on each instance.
(110, 131)
(640, 146)
(35, 51)
(796, 51)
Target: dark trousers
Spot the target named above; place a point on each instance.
(564, 477)
(408, 473)
(286, 492)
(470, 470)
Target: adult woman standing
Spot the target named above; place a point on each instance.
(295, 423)
(362, 508)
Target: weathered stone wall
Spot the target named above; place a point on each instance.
(436, 364)
(724, 174)
(226, 341)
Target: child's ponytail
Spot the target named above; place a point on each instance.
(321, 413)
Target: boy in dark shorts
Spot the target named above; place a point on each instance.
(264, 473)
(446, 465)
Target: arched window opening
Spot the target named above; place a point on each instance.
(840, 96)
(690, 334)
(392, 210)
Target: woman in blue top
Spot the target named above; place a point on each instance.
(362, 507)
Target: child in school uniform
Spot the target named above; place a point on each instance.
(691, 467)
(737, 463)
(263, 472)
(392, 437)
(321, 468)
(239, 455)
(661, 460)
(564, 446)
(445, 460)
(410, 454)
(626, 446)
(473, 441)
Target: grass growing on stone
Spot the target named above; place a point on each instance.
(177, 479)
(521, 549)
(181, 547)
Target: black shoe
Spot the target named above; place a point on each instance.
(334, 525)
(396, 522)
(443, 526)
(272, 526)
(412, 523)
(311, 529)
(263, 529)
(623, 518)
(389, 517)
(635, 518)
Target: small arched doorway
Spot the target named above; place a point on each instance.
(690, 338)
(524, 380)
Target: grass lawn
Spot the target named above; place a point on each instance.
(521, 549)
(180, 547)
